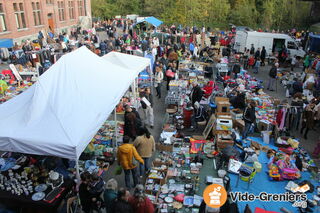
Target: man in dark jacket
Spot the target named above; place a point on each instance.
(263, 55)
(252, 49)
(103, 48)
(196, 93)
(297, 86)
(257, 54)
(249, 117)
(272, 76)
(236, 70)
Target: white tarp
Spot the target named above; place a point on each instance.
(127, 61)
(61, 113)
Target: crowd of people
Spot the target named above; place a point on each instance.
(134, 155)
(115, 200)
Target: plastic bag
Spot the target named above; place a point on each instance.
(287, 93)
(118, 170)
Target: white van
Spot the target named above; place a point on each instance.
(273, 42)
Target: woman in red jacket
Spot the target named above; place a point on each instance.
(251, 61)
(208, 89)
(139, 202)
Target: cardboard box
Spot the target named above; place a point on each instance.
(239, 124)
(220, 99)
(218, 114)
(262, 126)
(164, 147)
(224, 123)
(223, 106)
(236, 114)
(223, 141)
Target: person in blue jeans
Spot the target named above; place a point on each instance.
(249, 117)
(145, 146)
(126, 155)
(257, 66)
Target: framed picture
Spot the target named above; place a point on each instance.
(209, 126)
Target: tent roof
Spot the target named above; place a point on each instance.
(64, 109)
(6, 43)
(151, 20)
(127, 61)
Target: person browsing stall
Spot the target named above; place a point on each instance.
(145, 146)
(196, 93)
(140, 202)
(147, 106)
(126, 154)
(249, 117)
(121, 204)
(158, 79)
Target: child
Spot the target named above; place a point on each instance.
(251, 61)
(257, 66)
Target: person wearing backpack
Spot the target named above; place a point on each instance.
(272, 76)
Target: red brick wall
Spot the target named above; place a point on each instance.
(31, 30)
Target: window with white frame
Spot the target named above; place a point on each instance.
(71, 9)
(3, 25)
(36, 13)
(80, 7)
(19, 15)
(61, 11)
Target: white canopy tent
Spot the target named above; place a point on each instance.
(63, 110)
(127, 61)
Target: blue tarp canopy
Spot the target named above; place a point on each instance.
(151, 20)
(6, 42)
(314, 43)
(262, 183)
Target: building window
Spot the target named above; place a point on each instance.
(61, 10)
(71, 9)
(19, 15)
(80, 7)
(36, 13)
(3, 26)
(49, 1)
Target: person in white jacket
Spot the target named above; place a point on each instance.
(155, 41)
(158, 80)
(195, 52)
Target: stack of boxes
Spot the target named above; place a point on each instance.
(223, 123)
(237, 118)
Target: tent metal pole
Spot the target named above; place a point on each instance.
(134, 90)
(115, 128)
(78, 173)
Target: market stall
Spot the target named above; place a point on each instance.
(188, 161)
(56, 117)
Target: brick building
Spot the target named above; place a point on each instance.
(23, 19)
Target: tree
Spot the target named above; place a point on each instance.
(277, 14)
(244, 13)
(102, 9)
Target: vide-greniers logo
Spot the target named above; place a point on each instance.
(298, 200)
(215, 195)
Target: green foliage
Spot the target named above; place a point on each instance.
(270, 14)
